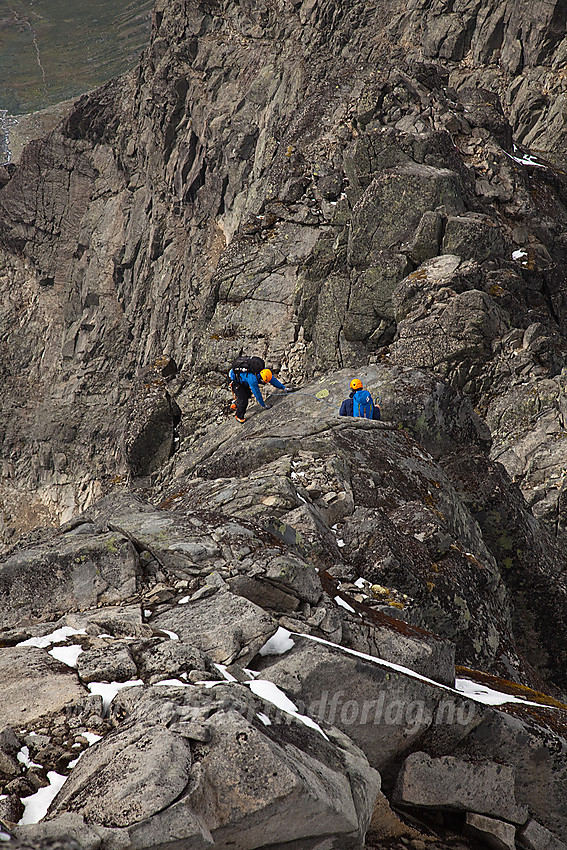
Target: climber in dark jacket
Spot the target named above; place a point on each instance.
(244, 385)
(360, 401)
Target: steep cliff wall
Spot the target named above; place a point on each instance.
(343, 189)
(215, 199)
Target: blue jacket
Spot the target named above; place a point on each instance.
(347, 408)
(252, 380)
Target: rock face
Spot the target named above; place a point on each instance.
(260, 622)
(77, 572)
(456, 784)
(280, 207)
(45, 688)
(163, 796)
(337, 696)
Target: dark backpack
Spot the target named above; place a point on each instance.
(248, 364)
(362, 404)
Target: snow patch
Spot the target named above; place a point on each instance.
(67, 654)
(252, 673)
(24, 757)
(278, 644)
(91, 737)
(271, 693)
(36, 805)
(224, 672)
(108, 690)
(488, 696)
(171, 635)
(526, 159)
(264, 718)
(58, 636)
(344, 604)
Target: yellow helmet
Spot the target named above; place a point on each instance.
(266, 376)
(355, 384)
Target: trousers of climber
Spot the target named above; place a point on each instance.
(359, 403)
(246, 384)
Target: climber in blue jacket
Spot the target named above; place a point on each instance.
(244, 385)
(359, 403)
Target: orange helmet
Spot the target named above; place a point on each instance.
(355, 384)
(266, 376)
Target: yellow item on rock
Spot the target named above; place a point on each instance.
(266, 376)
(355, 384)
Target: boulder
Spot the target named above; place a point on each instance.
(386, 711)
(263, 593)
(492, 832)
(34, 685)
(224, 626)
(421, 651)
(370, 302)
(237, 788)
(472, 237)
(452, 783)
(426, 241)
(66, 574)
(167, 659)
(130, 776)
(11, 808)
(391, 208)
(107, 664)
(534, 836)
(523, 550)
(152, 419)
(119, 621)
(482, 108)
(67, 832)
(444, 326)
(532, 749)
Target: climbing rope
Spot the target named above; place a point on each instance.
(316, 396)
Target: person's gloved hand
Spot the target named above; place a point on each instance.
(267, 406)
(289, 389)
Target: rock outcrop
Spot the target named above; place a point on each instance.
(279, 207)
(246, 634)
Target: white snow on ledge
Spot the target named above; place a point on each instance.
(171, 635)
(24, 758)
(526, 159)
(67, 654)
(488, 696)
(278, 644)
(271, 693)
(91, 737)
(344, 604)
(58, 636)
(520, 254)
(463, 687)
(108, 690)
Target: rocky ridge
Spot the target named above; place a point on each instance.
(252, 624)
(248, 634)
